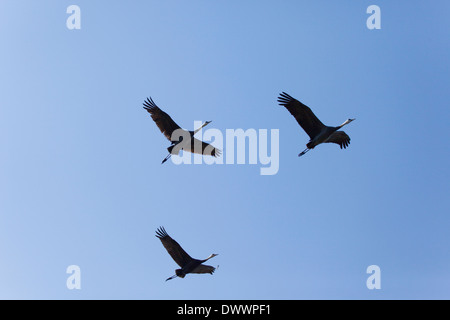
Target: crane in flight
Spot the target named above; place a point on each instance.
(181, 139)
(316, 130)
(186, 263)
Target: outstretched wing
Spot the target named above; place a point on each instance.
(162, 119)
(173, 248)
(204, 148)
(339, 137)
(203, 268)
(303, 114)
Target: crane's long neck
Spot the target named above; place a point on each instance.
(345, 123)
(203, 125)
(211, 256)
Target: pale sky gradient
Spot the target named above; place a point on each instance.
(82, 182)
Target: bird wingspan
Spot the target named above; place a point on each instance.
(203, 268)
(303, 114)
(164, 122)
(173, 248)
(339, 137)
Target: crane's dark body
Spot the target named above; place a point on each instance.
(186, 262)
(316, 130)
(175, 134)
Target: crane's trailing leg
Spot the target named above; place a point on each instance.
(174, 276)
(303, 152)
(170, 153)
(166, 158)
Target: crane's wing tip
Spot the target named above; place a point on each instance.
(161, 232)
(284, 99)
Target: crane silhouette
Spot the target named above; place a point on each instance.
(181, 139)
(317, 131)
(187, 264)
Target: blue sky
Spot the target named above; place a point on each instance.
(82, 182)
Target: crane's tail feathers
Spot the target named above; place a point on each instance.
(166, 158)
(303, 152)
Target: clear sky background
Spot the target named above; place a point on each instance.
(81, 179)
